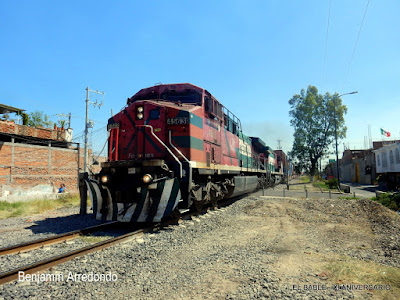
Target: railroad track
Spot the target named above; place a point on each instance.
(24, 247)
(46, 264)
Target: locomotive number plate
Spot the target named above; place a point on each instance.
(113, 125)
(177, 121)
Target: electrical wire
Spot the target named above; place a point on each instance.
(356, 43)
(108, 136)
(326, 43)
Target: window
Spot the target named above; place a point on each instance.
(391, 157)
(184, 96)
(384, 159)
(397, 154)
(234, 129)
(213, 107)
(207, 104)
(379, 160)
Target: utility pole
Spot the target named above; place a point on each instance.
(63, 116)
(336, 137)
(85, 155)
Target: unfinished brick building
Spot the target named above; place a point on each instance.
(35, 161)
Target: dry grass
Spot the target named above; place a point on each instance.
(346, 271)
(37, 206)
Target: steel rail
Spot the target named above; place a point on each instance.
(53, 239)
(59, 259)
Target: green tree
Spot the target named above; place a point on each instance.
(313, 118)
(38, 118)
(25, 118)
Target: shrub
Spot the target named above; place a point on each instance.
(332, 183)
(391, 201)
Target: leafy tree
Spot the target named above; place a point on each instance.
(38, 118)
(25, 119)
(313, 118)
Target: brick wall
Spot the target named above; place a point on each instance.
(38, 132)
(27, 169)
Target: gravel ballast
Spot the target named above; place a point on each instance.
(257, 248)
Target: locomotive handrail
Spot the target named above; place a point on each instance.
(177, 150)
(166, 147)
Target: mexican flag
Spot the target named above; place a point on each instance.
(385, 133)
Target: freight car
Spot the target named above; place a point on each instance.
(175, 146)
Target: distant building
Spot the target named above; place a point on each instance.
(358, 166)
(387, 161)
(362, 166)
(388, 158)
(34, 161)
(380, 144)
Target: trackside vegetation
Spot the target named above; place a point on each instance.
(313, 117)
(390, 200)
(36, 206)
(330, 184)
(346, 271)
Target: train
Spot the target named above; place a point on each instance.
(175, 147)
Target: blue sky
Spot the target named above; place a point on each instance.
(252, 55)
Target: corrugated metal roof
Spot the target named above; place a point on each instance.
(5, 109)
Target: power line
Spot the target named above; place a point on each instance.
(83, 118)
(356, 43)
(326, 43)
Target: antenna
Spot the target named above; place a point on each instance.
(61, 116)
(279, 144)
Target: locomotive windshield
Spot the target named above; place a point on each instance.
(189, 96)
(185, 96)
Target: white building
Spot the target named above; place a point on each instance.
(387, 159)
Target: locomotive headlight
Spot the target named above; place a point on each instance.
(147, 178)
(105, 179)
(139, 109)
(139, 116)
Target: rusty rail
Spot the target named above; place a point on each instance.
(59, 259)
(53, 239)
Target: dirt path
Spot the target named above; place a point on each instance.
(303, 248)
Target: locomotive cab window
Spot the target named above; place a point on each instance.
(207, 104)
(234, 128)
(213, 107)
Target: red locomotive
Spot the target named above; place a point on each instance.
(175, 146)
